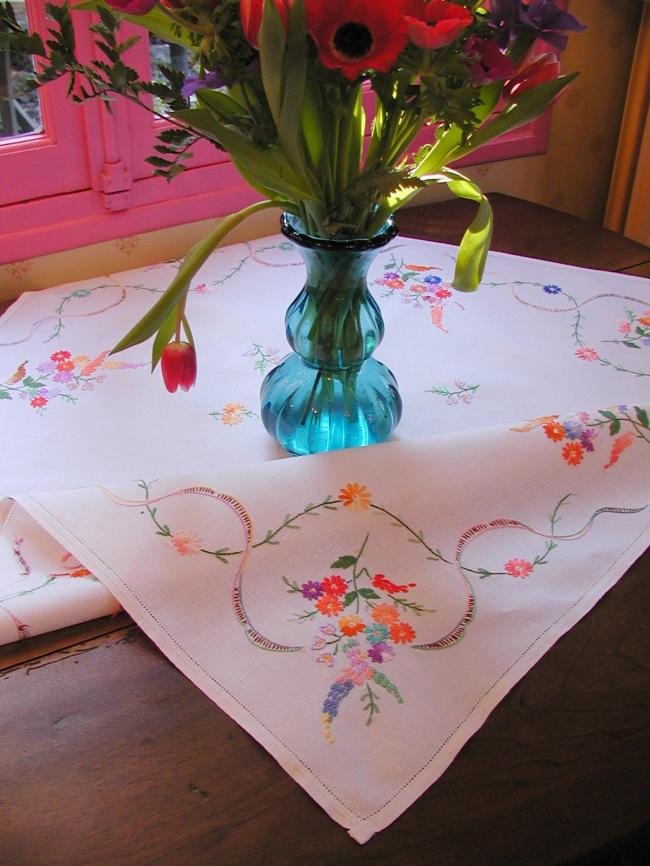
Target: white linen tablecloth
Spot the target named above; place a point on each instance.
(360, 613)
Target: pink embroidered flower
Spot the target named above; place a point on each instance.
(318, 643)
(60, 356)
(518, 567)
(186, 543)
(624, 328)
(587, 354)
(201, 289)
(326, 658)
(38, 402)
(442, 293)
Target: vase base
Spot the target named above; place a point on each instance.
(310, 410)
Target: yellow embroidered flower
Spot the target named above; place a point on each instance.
(355, 496)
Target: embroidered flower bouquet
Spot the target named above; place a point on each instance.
(318, 103)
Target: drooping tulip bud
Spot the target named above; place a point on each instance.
(133, 7)
(178, 363)
(251, 16)
(531, 74)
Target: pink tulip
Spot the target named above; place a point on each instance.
(541, 70)
(178, 362)
(251, 16)
(133, 7)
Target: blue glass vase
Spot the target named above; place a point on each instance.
(330, 393)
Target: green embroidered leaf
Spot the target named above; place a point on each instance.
(641, 414)
(630, 344)
(29, 382)
(5, 395)
(368, 593)
(614, 427)
(344, 562)
(349, 598)
(607, 414)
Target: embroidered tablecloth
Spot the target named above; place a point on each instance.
(359, 613)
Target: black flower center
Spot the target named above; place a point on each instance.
(352, 40)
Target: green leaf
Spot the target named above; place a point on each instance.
(642, 415)
(522, 110)
(344, 562)
(349, 598)
(158, 314)
(368, 593)
(5, 395)
(155, 21)
(163, 337)
(630, 344)
(29, 382)
(606, 413)
(614, 427)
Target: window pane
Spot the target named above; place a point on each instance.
(167, 54)
(20, 111)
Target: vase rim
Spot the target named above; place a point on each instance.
(291, 228)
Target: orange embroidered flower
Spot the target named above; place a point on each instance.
(518, 567)
(402, 632)
(386, 614)
(420, 267)
(394, 283)
(355, 496)
(186, 543)
(620, 444)
(645, 320)
(334, 585)
(65, 366)
(329, 605)
(351, 625)
(573, 452)
(554, 431)
(233, 413)
(62, 355)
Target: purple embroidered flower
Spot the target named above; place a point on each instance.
(646, 341)
(337, 692)
(381, 652)
(572, 429)
(63, 376)
(432, 279)
(391, 275)
(550, 289)
(311, 590)
(193, 83)
(587, 440)
(376, 633)
(46, 367)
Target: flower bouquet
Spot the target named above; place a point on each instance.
(283, 86)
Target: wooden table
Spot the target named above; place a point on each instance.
(110, 757)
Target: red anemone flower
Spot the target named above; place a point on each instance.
(251, 17)
(178, 363)
(356, 35)
(436, 23)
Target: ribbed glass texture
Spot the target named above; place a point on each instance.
(330, 393)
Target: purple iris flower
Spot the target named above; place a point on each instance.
(549, 22)
(193, 83)
(539, 18)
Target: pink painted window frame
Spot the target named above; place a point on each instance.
(85, 179)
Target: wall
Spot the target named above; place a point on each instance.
(572, 176)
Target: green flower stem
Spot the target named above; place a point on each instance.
(356, 574)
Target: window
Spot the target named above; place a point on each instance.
(76, 174)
